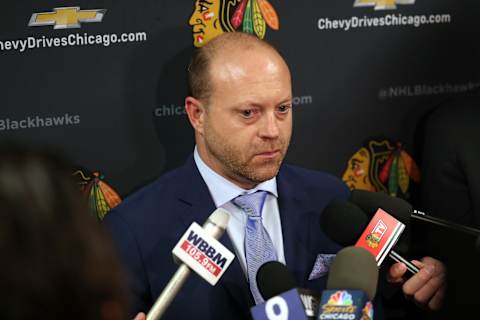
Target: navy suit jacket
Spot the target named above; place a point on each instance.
(147, 225)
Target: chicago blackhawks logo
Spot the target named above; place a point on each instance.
(211, 18)
(101, 197)
(379, 166)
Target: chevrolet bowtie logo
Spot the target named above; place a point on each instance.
(67, 17)
(381, 4)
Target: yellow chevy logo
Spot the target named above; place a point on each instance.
(66, 17)
(381, 4)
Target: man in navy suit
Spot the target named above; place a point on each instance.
(241, 110)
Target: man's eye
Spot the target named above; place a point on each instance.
(284, 108)
(247, 113)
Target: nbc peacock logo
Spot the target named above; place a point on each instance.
(211, 18)
(340, 302)
(340, 298)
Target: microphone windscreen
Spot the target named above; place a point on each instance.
(354, 268)
(343, 222)
(220, 218)
(273, 278)
(371, 201)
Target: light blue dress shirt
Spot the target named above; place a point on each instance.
(223, 191)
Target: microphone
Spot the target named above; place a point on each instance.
(347, 224)
(282, 300)
(273, 278)
(200, 251)
(351, 286)
(402, 210)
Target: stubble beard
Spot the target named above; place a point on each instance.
(241, 165)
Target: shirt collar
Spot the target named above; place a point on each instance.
(223, 190)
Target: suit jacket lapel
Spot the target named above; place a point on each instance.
(197, 206)
(297, 225)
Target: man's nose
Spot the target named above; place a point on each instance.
(270, 126)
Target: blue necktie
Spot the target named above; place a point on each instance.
(259, 247)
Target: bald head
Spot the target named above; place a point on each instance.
(240, 107)
(223, 48)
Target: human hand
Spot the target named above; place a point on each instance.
(427, 287)
(140, 316)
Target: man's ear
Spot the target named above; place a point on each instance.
(196, 113)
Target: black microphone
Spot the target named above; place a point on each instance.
(402, 210)
(351, 286)
(344, 223)
(273, 279)
(354, 268)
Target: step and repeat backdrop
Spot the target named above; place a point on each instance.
(105, 81)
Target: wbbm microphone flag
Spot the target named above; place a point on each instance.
(380, 235)
(203, 254)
